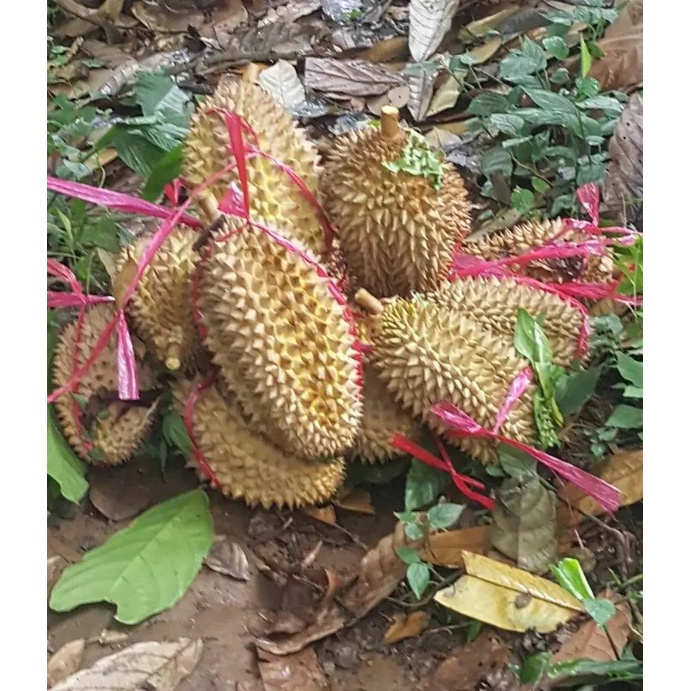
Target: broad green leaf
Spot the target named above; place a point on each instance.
(607, 103)
(102, 233)
(164, 134)
(137, 152)
(508, 123)
(560, 76)
(414, 531)
(529, 60)
(418, 578)
(156, 92)
(423, 485)
(622, 670)
(556, 46)
(586, 59)
(625, 417)
(600, 609)
(524, 338)
(408, 555)
(539, 185)
(554, 103)
(380, 474)
(630, 369)
(165, 171)
(444, 515)
(145, 568)
(533, 668)
(487, 103)
(496, 161)
(522, 200)
(587, 87)
(516, 463)
(633, 392)
(175, 432)
(63, 465)
(570, 576)
(574, 390)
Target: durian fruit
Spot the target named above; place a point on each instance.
(427, 353)
(277, 333)
(117, 428)
(494, 303)
(161, 305)
(381, 420)
(398, 231)
(250, 468)
(529, 236)
(274, 198)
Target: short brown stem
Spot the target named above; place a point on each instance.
(173, 357)
(368, 302)
(209, 206)
(390, 129)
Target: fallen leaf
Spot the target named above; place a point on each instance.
(225, 15)
(122, 280)
(421, 82)
(482, 27)
(358, 500)
(507, 597)
(282, 82)
(630, 17)
(300, 671)
(446, 548)
(109, 637)
(349, 77)
(485, 51)
(388, 50)
(56, 564)
(621, 68)
(149, 665)
(429, 22)
(623, 185)
(525, 525)
(440, 138)
(65, 661)
(325, 514)
(408, 626)
(445, 97)
(466, 667)
(229, 559)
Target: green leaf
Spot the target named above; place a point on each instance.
(145, 568)
(607, 103)
(633, 392)
(574, 390)
(529, 60)
(621, 670)
(156, 92)
(414, 531)
(408, 555)
(487, 103)
(508, 123)
(586, 59)
(496, 161)
(137, 152)
(423, 485)
(524, 338)
(516, 463)
(166, 170)
(175, 432)
(539, 185)
(63, 465)
(587, 87)
(560, 76)
(444, 515)
(625, 417)
(522, 200)
(570, 576)
(600, 609)
(554, 103)
(102, 233)
(534, 667)
(556, 46)
(380, 474)
(630, 369)
(418, 578)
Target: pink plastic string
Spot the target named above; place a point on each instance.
(517, 388)
(462, 425)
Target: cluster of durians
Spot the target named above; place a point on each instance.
(305, 377)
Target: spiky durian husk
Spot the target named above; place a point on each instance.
(529, 236)
(250, 468)
(397, 232)
(275, 329)
(274, 197)
(381, 420)
(494, 303)
(119, 427)
(427, 353)
(162, 303)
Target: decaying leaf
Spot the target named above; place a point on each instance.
(446, 548)
(349, 77)
(325, 514)
(282, 82)
(445, 97)
(507, 597)
(226, 15)
(525, 524)
(591, 642)
(482, 27)
(150, 665)
(421, 82)
(623, 185)
(65, 661)
(621, 68)
(229, 559)
(406, 626)
(292, 672)
(358, 500)
(429, 22)
(467, 666)
(56, 564)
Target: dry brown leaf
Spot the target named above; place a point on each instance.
(439, 138)
(623, 185)
(56, 564)
(325, 514)
(446, 548)
(226, 15)
(406, 626)
(627, 21)
(467, 666)
(483, 26)
(445, 97)
(65, 661)
(300, 671)
(358, 500)
(507, 597)
(349, 77)
(525, 525)
(229, 559)
(387, 50)
(282, 82)
(152, 664)
(122, 281)
(429, 22)
(421, 82)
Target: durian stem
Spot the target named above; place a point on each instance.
(173, 355)
(209, 206)
(390, 128)
(251, 73)
(368, 302)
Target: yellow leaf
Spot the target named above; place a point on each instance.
(484, 52)
(406, 627)
(507, 597)
(446, 96)
(357, 500)
(325, 514)
(624, 470)
(483, 26)
(446, 548)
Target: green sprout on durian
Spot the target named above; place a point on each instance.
(417, 158)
